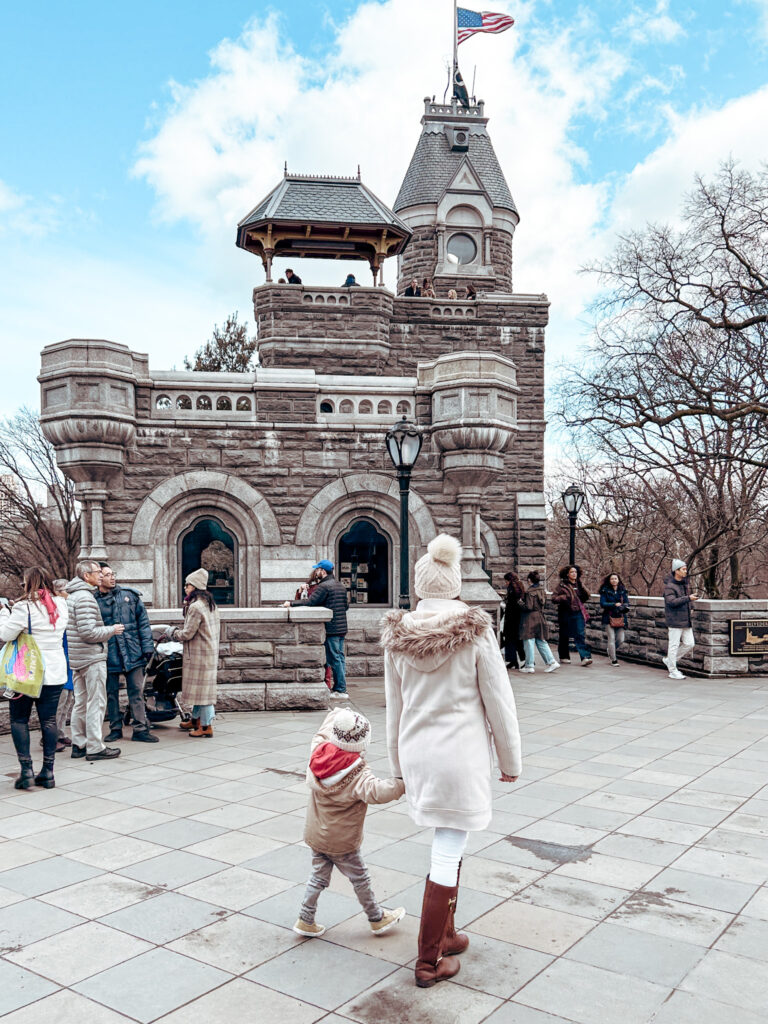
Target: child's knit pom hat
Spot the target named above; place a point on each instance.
(351, 731)
(438, 573)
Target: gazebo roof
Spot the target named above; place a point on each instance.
(322, 217)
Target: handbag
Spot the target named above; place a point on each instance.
(22, 668)
(616, 621)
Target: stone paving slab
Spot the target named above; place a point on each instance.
(623, 879)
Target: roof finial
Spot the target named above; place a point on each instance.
(358, 173)
(285, 170)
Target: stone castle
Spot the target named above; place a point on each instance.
(258, 475)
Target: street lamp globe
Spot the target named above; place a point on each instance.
(573, 499)
(404, 442)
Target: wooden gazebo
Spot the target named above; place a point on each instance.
(320, 217)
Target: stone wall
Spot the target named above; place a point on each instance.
(269, 658)
(646, 637)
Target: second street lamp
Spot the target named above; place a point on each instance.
(404, 442)
(573, 499)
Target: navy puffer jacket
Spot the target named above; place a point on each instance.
(133, 647)
(613, 602)
(330, 594)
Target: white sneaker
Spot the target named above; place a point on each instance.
(677, 674)
(338, 695)
(526, 669)
(553, 667)
(664, 661)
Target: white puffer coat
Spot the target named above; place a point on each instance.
(448, 693)
(49, 637)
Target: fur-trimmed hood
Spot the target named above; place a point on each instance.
(430, 634)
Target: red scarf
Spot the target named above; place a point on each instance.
(46, 599)
(327, 759)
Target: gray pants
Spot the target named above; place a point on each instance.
(615, 639)
(66, 703)
(134, 685)
(350, 865)
(87, 716)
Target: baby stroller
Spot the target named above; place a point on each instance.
(162, 683)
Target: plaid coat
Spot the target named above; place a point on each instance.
(200, 636)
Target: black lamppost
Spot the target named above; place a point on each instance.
(573, 499)
(404, 444)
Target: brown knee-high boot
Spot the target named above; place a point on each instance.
(431, 965)
(454, 942)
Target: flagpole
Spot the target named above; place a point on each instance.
(455, 40)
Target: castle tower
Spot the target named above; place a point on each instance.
(456, 200)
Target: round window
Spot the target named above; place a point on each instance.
(462, 248)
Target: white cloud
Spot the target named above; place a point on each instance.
(654, 25)
(699, 142)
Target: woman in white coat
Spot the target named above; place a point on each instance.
(46, 613)
(448, 693)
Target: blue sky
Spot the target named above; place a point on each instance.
(135, 136)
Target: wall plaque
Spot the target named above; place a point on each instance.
(749, 636)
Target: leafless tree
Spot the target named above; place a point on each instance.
(40, 521)
(670, 405)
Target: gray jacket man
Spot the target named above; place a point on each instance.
(88, 641)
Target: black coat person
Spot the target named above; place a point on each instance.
(514, 650)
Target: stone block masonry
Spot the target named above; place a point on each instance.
(269, 658)
(646, 638)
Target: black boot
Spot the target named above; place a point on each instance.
(27, 776)
(45, 778)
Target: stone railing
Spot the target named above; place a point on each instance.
(646, 638)
(269, 658)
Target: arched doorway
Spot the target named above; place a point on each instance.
(209, 546)
(364, 563)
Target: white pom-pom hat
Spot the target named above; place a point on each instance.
(438, 573)
(351, 731)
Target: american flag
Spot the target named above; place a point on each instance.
(470, 22)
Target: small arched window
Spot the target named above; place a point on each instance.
(346, 407)
(365, 408)
(162, 402)
(183, 402)
(243, 404)
(223, 404)
(384, 409)
(204, 403)
(403, 408)
(326, 407)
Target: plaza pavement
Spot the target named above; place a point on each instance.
(623, 879)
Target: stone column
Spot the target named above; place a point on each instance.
(88, 404)
(474, 418)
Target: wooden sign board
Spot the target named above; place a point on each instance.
(749, 636)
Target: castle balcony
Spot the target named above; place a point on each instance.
(339, 330)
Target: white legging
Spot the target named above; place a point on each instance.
(447, 850)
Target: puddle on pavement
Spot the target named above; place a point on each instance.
(555, 853)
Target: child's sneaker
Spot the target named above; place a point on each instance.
(389, 920)
(309, 931)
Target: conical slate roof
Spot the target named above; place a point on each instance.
(435, 164)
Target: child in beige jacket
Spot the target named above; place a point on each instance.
(341, 787)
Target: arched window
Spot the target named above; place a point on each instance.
(204, 402)
(346, 407)
(243, 404)
(403, 408)
(365, 408)
(223, 404)
(183, 402)
(363, 560)
(384, 409)
(208, 545)
(162, 402)
(326, 407)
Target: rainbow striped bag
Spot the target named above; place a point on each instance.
(22, 668)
